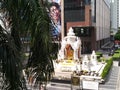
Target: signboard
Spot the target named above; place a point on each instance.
(91, 85)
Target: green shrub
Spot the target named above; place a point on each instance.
(116, 56)
(107, 68)
(117, 51)
(99, 54)
(99, 60)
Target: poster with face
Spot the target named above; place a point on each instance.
(55, 16)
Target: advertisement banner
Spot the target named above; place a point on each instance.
(55, 16)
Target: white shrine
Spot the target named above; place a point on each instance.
(70, 47)
(69, 58)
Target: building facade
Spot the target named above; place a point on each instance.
(114, 15)
(90, 20)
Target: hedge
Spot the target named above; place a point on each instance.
(107, 68)
(116, 55)
(99, 53)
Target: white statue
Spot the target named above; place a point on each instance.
(86, 63)
(94, 58)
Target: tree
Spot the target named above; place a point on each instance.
(21, 17)
(117, 35)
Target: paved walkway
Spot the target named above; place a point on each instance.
(112, 83)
